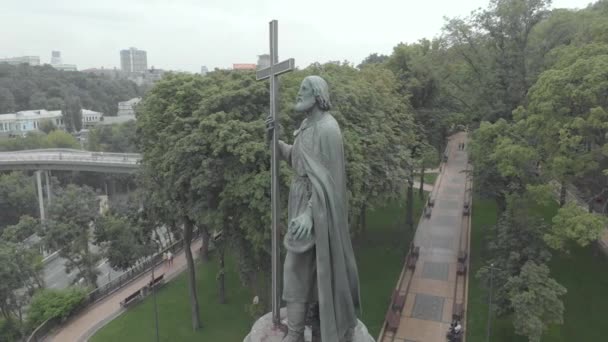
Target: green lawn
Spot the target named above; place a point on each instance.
(380, 259)
(582, 273)
(429, 178)
(227, 322)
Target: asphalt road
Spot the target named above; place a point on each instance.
(55, 276)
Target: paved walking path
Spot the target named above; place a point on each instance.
(87, 323)
(432, 288)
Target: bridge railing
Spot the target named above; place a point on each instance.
(71, 156)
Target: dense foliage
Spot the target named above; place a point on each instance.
(203, 144)
(25, 87)
(69, 230)
(17, 197)
(36, 140)
(113, 138)
(538, 79)
(47, 304)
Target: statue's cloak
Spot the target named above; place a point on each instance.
(337, 276)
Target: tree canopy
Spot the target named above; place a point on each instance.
(25, 87)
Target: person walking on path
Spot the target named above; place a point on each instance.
(170, 257)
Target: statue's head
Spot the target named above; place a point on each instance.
(313, 92)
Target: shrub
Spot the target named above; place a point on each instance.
(51, 303)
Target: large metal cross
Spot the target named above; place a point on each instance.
(272, 72)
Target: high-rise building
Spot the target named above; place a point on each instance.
(55, 57)
(204, 70)
(31, 60)
(133, 60)
(57, 63)
(263, 61)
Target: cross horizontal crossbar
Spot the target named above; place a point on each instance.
(277, 69)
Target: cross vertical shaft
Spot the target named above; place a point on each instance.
(276, 251)
(272, 73)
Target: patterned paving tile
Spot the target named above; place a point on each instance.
(443, 204)
(439, 241)
(428, 307)
(436, 270)
(452, 191)
(445, 221)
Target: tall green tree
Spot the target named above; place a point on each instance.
(20, 269)
(165, 119)
(17, 198)
(123, 241)
(493, 65)
(568, 116)
(7, 101)
(113, 138)
(373, 58)
(69, 230)
(517, 238)
(26, 87)
(573, 225)
(26, 227)
(535, 298)
(429, 157)
(72, 114)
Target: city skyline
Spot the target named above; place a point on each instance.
(187, 34)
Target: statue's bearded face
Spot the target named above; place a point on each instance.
(306, 99)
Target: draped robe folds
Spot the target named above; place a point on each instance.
(318, 157)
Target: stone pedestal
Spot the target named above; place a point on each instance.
(263, 331)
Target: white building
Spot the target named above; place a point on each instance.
(65, 67)
(58, 64)
(90, 118)
(128, 107)
(29, 120)
(31, 60)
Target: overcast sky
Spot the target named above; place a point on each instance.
(186, 34)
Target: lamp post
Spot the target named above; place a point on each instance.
(490, 302)
(155, 253)
(155, 307)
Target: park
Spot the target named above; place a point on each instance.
(452, 188)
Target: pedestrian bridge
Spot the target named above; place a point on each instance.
(70, 160)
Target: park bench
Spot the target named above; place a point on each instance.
(462, 256)
(458, 312)
(131, 299)
(462, 268)
(411, 263)
(157, 281)
(416, 251)
(397, 301)
(392, 320)
(467, 209)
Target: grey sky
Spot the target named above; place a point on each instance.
(185, 34)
